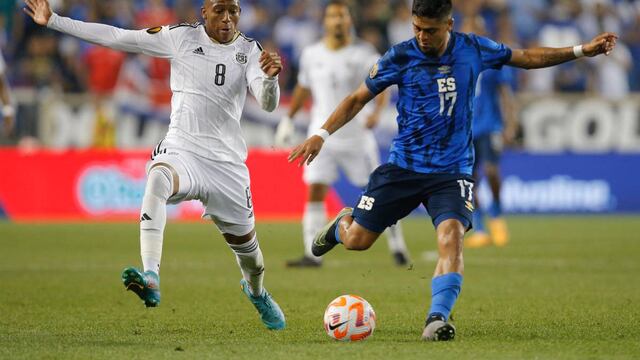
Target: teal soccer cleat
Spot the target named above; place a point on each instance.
(270, 313)
(146, 285)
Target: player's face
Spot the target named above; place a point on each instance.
(432, 34)
(221, 19)
(337, 21)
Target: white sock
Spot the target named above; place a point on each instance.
(153, 217)
(395, 239)
(249, 257)
(315, 217)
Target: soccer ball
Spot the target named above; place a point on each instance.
(349, 318)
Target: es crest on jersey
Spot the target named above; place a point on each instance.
(154, 30)
(374, 71)
(241, 58)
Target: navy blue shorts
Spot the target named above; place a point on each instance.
(394, 192)
(488, 148)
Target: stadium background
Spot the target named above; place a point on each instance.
(91, 115)
(562, 288)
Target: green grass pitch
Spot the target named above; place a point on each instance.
(564, 288)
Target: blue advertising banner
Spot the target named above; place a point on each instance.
(558, 183)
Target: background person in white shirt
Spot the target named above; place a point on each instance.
(203, 154)
(330, 70)
(7, 109)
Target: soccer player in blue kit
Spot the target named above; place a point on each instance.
(432, 156)
(494, 127)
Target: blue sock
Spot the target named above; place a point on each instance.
(337, 232)
(444, 292)
(478, 220)
(495, 210)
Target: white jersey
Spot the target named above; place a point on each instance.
(331, 75)
(209, 81)
(3, 67)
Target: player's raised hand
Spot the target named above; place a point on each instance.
(270, 63)
(307, 151)
(39, 10)
(601, 44)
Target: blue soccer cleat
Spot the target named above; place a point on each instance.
(146, 285)
(270, 313)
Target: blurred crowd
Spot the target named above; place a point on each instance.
(44, 60)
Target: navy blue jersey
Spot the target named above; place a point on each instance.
(487, 114)
(435, 106)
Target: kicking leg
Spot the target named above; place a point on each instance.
(342, 229)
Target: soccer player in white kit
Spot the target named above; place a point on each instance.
(330, 70)
(8, 110)
(203, 154)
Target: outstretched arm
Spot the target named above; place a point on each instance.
(347, 110)
(150, 42)
(537, 58)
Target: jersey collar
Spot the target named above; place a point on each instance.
(452, 38)
(235, 37)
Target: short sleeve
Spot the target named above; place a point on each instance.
(493, 55)
(254, 71)
(304, 79)
(384, 73)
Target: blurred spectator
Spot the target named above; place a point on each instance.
(155, 13)
(631, 36)
(612, 73)
(295, 30)
(8, 109)
(558, 31)
(292, 32)
(38, 59)
(400, 27)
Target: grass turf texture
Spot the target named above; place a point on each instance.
(565, 288)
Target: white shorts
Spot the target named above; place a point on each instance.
(357, 162)
(223, 188)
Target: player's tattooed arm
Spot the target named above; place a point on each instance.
(347, 110)
(537, 58)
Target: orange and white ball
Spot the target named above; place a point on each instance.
(349, 318)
